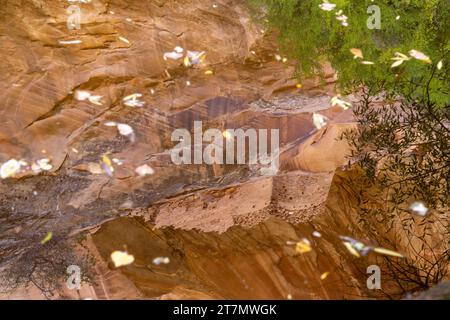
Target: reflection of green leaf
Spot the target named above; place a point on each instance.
(47, 238)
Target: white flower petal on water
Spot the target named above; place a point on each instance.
(121, 258)
(367, 62)
(144, 170)
(419, 208)
(319, 120)
(439, 65)
(111, 124)
(9, 168)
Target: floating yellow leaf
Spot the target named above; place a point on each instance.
(298, 85)
(121, 258)
(124, 40)
(324, 275)
(357, 53)
(186, 61)
(388, 252)
(352, 250)
(209, 72)
(47, 238)
(107, 165)
(303, 246)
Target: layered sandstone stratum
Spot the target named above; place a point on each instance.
(225, 228)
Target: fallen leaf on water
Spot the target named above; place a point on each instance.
(399, 58)
(419, 56)
(144, 170)
(9, 168)
(303, 246)
(121, 258)
(132, 96)
(178, 49)
(419, 208)
(172, 55)
(124, 40)
(194, 57)
(111, 124)
(209, 72)
(319, 120)
(326, 6)
(94, 168)
(133, 101)
(82, 95)
(186, 61)
(161, 260)
(70, 41)
(47, 238)
(107, 165)
(351, 249)
(126, 130)
(341, 103)
(44, 164)
(324, 275)
(388, 252)
(357, 53)
(355, 247)
(317, 234)
(96, 100)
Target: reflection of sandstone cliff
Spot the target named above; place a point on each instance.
(224, 227)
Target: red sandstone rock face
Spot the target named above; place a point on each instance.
(224, 227)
